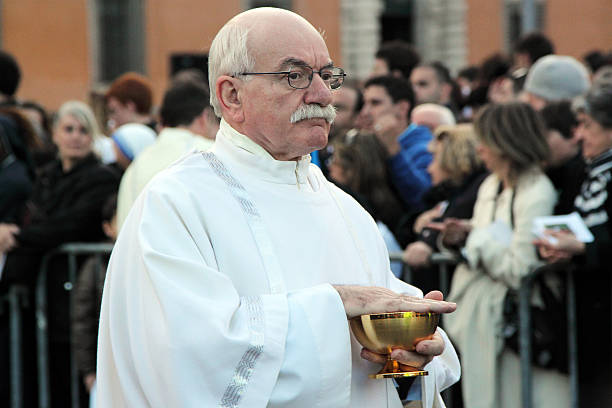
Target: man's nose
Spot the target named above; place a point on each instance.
(579, 133)
(318, 92)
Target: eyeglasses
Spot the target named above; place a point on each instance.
(301, 77)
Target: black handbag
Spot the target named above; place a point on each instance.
(549, 345)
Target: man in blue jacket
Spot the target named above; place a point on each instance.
(388, 102)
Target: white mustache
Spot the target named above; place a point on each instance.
(314, 111)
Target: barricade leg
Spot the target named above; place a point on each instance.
(42, 344)
(572, 340)
(15, 298)
(74, 371)
(525, 345)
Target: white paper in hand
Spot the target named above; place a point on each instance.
(572, 223)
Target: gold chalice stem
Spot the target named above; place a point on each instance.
(393, 369)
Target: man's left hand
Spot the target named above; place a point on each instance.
(425, 351)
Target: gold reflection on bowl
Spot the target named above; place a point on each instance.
(382, 332)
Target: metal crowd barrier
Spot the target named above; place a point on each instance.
(17, 295)
(71, 250)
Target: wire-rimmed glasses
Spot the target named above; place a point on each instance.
(300, 77)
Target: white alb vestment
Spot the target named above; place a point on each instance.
(171, 144)
(219, 294)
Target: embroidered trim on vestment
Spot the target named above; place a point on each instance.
(244, 370)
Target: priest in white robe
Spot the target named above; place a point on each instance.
(235, 271)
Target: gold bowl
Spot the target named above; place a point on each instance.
(382, 332)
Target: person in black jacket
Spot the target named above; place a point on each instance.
(593, 260)
(565, 167)
(65, 206)
(17, 139)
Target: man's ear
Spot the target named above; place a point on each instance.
(228, 94)
(447, 90)
(402, 108)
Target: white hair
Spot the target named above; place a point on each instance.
(228, 55)
(443, 115)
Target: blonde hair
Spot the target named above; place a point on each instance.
(455, 146)
(83, 114)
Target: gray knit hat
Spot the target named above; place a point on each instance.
(557, 77)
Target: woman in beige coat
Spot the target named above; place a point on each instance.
(499, 251)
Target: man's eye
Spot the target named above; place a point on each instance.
(327, 76)
(295, 75)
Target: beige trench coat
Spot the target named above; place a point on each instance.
(499, 255)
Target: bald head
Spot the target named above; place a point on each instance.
(432, 115)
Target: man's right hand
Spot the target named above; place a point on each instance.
(358, 300)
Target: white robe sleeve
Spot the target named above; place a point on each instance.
(317, 362)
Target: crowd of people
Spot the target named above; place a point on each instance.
(443, 163)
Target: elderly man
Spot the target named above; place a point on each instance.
(235, 272)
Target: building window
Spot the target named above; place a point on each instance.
(396, 21)
(284, 4)
(119, 37)
(514, 20)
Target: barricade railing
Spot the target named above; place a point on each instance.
(16, 296)
(71, 250)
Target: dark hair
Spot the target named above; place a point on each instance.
(516, 132)
(535, 45)
(399, 89)
(494, 67)
(399, 55)
(442, 73)
(19, 135)
(363, 160)
(596, 59)
(598, 104)
(470, 73)
(132, 87)
(559, 116)
(109, 208)
(46, 122)
(10, 74)
(183, 102)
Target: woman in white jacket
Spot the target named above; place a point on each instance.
(499, 251)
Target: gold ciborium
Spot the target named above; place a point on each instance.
(382, 332)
